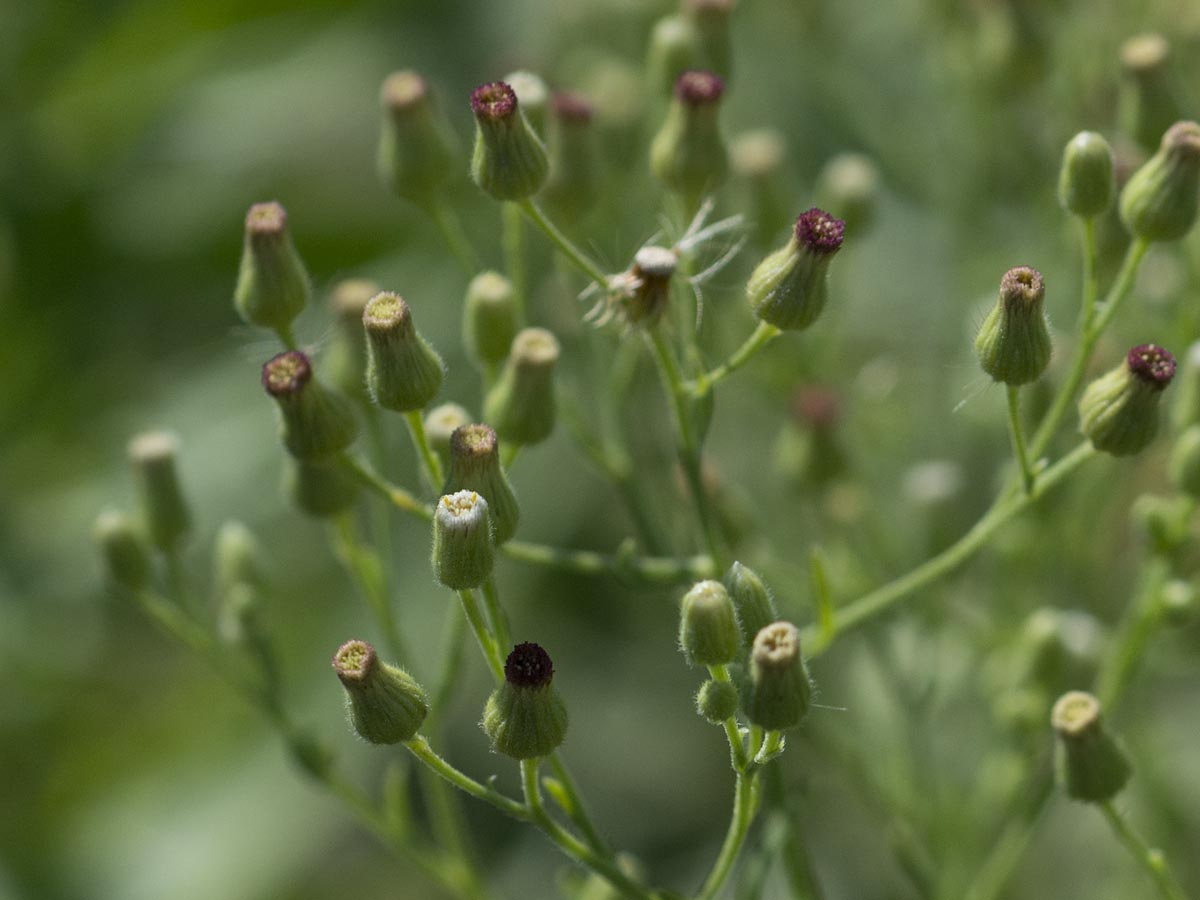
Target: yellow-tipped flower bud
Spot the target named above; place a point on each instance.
(521, 404)
(404, 373)
(462, 541)
(1090, 764)
(385, 703)
(164, 510)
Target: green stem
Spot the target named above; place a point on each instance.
(1151, 859)
(365, 568)
(397, 496)
(430, 464)
(287, 336)
(1091, 275)
(419, 747)
(513, 239)
(447, 222)
(577, 257)
(744, 806)
(759, 338)
(496, 614)
(1136, 629)
(737, 747)
(508, 455)
(451, 662)
(1018, 437)
(578, 812)
(487, 643)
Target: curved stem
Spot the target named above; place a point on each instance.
(744, 806)
(759, 338)
(1150, 858)
(287, 336)
(496, 614)
(366, 570)
(737, 747)
(419, 747)
(513, 239)
(487, 643)
(577, 257)
(397, 496)
(1018, 438)
(430, 464)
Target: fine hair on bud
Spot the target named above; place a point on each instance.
(489, 319)
(521, 403)
(688, 153)
(1014, 344)
(404, 373)
(315, 422)
(509, 161)
(1090, 765)
(716, 701)
(475, 466)
(126, 561)
(462, 541)
(272, 285)
(1159, 202)
(779, 691)
(164, 510)
(385, 703)
(525, 717)
(788, 289)
(751, 600)
(708, 627)
(1118, 411)
(416, 154)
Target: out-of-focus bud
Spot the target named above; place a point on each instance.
(574, 183)
(416, 148)
(1159, 201)
(345, 362)
(1090, 765)
(462, 541)
(688, 154)
(1164, 521)
(808, 450)
(1185, 411)
(475, 466)
(404, 373)
(521, 404)
(314, 422)
(272, 284)
(848, 187)
(321, 489)
(1147, 104)
(751, 600)
(779, 690)
(163, 507)
(674, 49)
(1087, 179)
(525, 717)
(757, 159)
(708, 625)
(509, 161)
(489, 319)
(125, 558)
(534, 96)
(1185, 462)
(716, 701)
(643, 291)
(237, 557)
(1013, 343)
(1119, 410)
(385, 703)
(789, 288)
(711, 21)
(1179, 601)
(440, 423)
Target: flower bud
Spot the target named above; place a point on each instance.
(509, 161)
(674, 49)
(489, 318)
(1090, 765)
(642, 292)
(757, 158)
(1087, 179)
(848, 187)
(345, 362)
(1164, 521)
(314, 422)
(385, 703)
(708, 625)
(716, 701)
(808, 450)
(237, 557)
(521, 404)
(534, 97)
(416, 147)
(1159, 201)
(462, 541)
(1119, 410)
(788, 288)
(321, 489)
(779, 688)
(124, 554)
(1147, 104)
(573, 186)
(751, 600)
(1013, 343)
(164, 510)
(525, 717)
(475, 466)
(440, 423)
(272, 284)
(1178, 601)
(404, 373)
(711, 21)
(1185, 411)
(1184, 467)
(688, 153)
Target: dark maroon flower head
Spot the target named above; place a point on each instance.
(266, 219)
(528, 666)
(1022, 286)
(354, 662)
(286, 374)
(699, 88)
(493, 102)
(1152, 365)
(570, 107)
(819, 231)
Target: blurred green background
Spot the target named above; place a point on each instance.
(132, 138)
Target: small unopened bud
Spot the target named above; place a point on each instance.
(475, 466)
(708, 625)
(385, 703)
(521, 404)
(1159, 201)
(1119, 410)
(163, 507)
(688, 154)
(237, 557)
(509, 161)
(789, 287)
(674, 49)
(404, 373)
(1165, 522)
(1013, 343)
(757, 158)
(124, 554)
(1087, 179)
(1185, 409)
(533, 94)
(462, 541)
(489, 318)
(1184, 467)
(646, 286)
(1148, 103)
(848, 187)
(416, 148)
(272, 284)
(525, 717)
(779, 688)
(752, 601)
(711, 20)
(573, 186)
(440, 423)
(716, 701)
(321, 489)
(314, 421)
(1090, 764)
(1179, 601)
(345, 361)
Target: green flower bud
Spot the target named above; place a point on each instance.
(779, 688)
(521, 403)
(1119, 410)
(272, 284)
(164, 510)
(509, 161)
(404, 373)
(757, 158)
(808, 450)
(475, 466)
(321, 489)
(688, 153)
(751, 600)
(674, 49)
(708, 625)
(525, 717)
(716, 701)
(1184, 466)
(788, 289)
(237, 558)
(345, 362)
(1164, 521)
(462, 541)
(1090, 764)
(534, 97)
(385, 703)
(1013, 343)
(239, 618)
(1179, 600)
(416, 152)
(1087, 180)
(314, 421)
(125, 558)
(573, 186)
(1147, 104)
(1159, 201)
(849, 186)
(711, 20)
(440, 423)
(489, 318)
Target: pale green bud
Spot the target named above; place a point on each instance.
(849, 187)
(416, 154)
(475, 466)
(573, 186)
(1159, 201)
(272, 284)
(489, 318)
(345, 361)
(533, 95)
(716, 701)
(404, 373)
(125, 558)
(1014, 343)
(385, 703)
(1119, 410)
(521, 404)
(708, 625)
(751, 600)
(164, 510)
(1090, 764)
(237, 557)
(1087, 179)
(462, 541)
(711, 21)
(440, 423)
(1185, 410)
(674, 49)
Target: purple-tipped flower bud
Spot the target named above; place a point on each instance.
(1159, 201)
(1148, 101)
(509, 161)
(404, 373)
(345, 361)
(1013, 343)
(462, 541)
(1119, 410)
(489, 319)
(314, 422)
(688, 154)
(708, 625)
(416, 147)
(521, 404)
(164, 510)
(525, 717)
(272, 284)
(125, 558)
(711, 21)
(1090, 764)
(716, 701)
(674, 49)
(385, 703)
(319, 488)
(789, 288)
(475, 466)
(1087, 180)
(574, 183)
(751, 600)
(779, 690)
